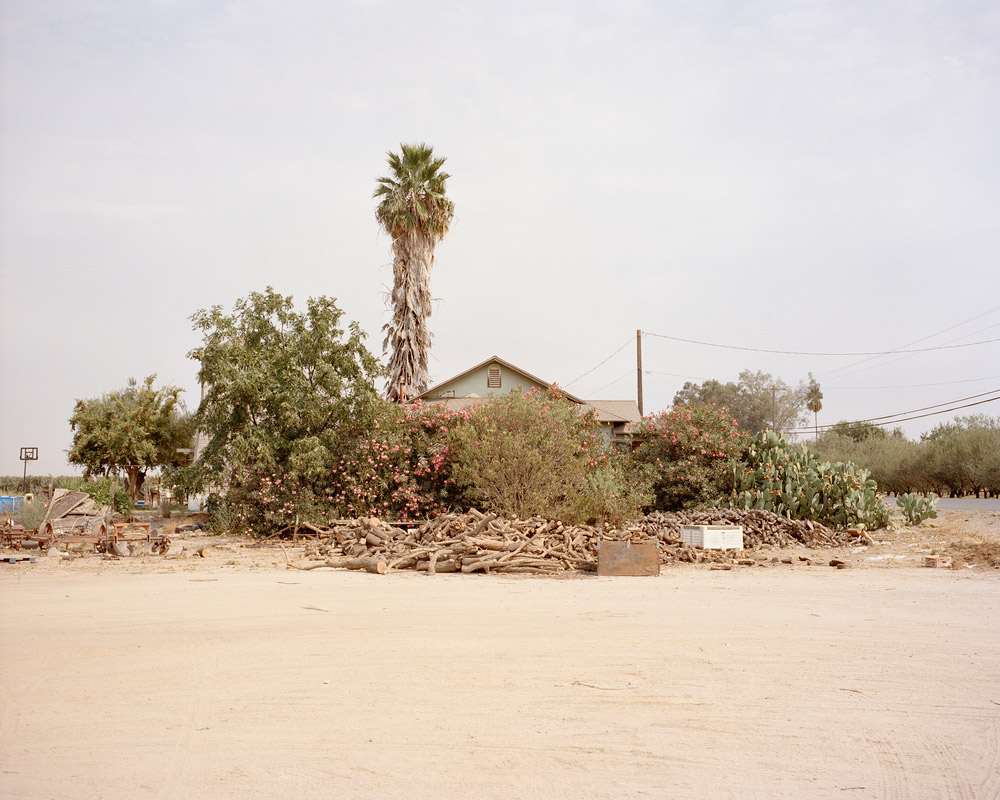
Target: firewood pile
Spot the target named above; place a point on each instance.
(760, 528)
(477, 542)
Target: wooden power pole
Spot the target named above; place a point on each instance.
(638, 369)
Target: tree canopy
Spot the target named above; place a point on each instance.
(859, 431)
(284, 391)
(415, 211)
(758, 401)
(132, 430)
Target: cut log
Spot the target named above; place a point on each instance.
(367, 564)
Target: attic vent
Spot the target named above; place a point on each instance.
(493, 378)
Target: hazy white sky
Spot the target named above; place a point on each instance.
(820, 176)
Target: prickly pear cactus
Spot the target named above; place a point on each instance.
(917, 509)
(775, 475)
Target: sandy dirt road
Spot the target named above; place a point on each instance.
(799, 683)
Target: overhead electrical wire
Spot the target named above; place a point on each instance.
(825, 428)
(605, 361)
(813, 353)
(838, 372)
(605, 386)
(891, 417)
(928, 336)
(904, 350)
(841, 388)
(911, 385)
(674, 375)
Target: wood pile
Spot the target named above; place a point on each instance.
(760, 528)
(477, 542)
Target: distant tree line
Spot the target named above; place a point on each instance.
(958, 458)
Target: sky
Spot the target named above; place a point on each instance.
(815, 177)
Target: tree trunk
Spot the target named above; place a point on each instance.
(407, 338)
(135, 477)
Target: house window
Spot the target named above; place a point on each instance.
(493, 378)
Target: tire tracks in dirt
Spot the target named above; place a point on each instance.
(179, 782)
(990, 790)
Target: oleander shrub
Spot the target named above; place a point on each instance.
(686, 453)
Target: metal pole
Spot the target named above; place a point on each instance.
(638, 369)
(24, 480)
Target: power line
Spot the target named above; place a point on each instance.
(890, 417)
(842, 374)
(912, 385)
(605, 361)
(674, 375)
(809, 353)
(930, 336)
(843, 388)
(824, 429)
(605, 386)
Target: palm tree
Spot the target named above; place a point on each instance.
(414, 210)
(814, 401)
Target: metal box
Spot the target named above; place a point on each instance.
(713, 537)
(628, 558)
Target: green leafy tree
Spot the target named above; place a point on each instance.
(709, 393)
(858, 431)
(964, 455)
(287, 395)
(896, 463)
(130, 431)
(758, 401)
(415, 211)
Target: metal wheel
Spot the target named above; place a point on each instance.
(46, 535)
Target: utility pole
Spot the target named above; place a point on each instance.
(774, 408)
(638, 369)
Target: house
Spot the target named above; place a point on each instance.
(494, 377)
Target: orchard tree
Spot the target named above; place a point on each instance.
(859, 431)
(132, 431)
(415, 211)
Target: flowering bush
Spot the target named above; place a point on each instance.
(400, 468)
(686, 451)
(404, 468)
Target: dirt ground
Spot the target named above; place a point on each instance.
(233, 676)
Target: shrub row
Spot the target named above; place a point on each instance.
(532, 453)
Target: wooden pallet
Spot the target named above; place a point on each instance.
(16, 559)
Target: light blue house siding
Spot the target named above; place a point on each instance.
(487, 380)
(495, 377)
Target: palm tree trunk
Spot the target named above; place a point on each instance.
(408, 338)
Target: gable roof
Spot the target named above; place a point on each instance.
(428, 396)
